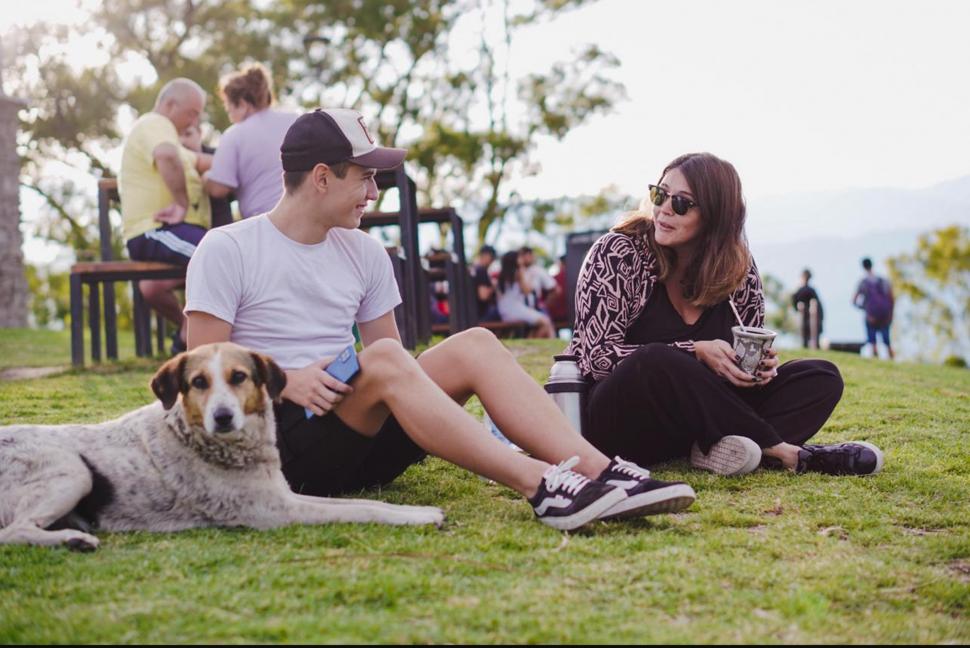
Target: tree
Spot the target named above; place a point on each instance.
(935, 280)
(778, 312)
(470, 126)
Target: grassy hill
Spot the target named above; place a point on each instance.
(765, 558)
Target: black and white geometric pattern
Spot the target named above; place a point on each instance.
(614, 285)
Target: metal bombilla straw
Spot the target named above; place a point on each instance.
(738, 315)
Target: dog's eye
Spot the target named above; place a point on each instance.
(237, 377)
(199, 382)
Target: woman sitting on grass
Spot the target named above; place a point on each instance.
(653, 331)
(511, 288)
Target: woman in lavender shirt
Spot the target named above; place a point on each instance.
(247, 161)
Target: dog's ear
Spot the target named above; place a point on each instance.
(169, 380)
(269, 373)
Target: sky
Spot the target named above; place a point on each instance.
(799, 96)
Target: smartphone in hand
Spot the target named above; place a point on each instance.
(344, 368)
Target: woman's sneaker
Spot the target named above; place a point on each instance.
(732, 455)
(645, 496)
(567, 500)
(852, 458)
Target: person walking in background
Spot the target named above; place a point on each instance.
(247, 160)
(484, 285)
(806, 302)
(512, 288)
(875, 296)
(653, 333)
(164, 209)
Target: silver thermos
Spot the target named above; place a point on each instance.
(568, 389)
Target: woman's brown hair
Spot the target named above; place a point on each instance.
(722, 260)
(252, 83)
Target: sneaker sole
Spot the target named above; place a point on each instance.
(669, 499)
(732, 455)
(876, 451)
(592, 512)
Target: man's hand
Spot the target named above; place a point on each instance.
(171, 215)
(314, 388)
(721, 359)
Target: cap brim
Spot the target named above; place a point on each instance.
(381, 158)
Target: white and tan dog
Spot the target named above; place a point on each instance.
(204, 456)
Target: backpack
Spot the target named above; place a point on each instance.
(879, 301)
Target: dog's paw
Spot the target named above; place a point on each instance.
(82, 542)
(430, 515)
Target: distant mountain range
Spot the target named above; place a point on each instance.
(830, 233)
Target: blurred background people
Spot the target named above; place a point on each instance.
(875, 296)
(164, 210)
(806, 301)
(247, 160)
(512, 288)
(221, 208)
(484, 285)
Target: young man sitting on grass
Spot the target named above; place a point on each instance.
(291, 283)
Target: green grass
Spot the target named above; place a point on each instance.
(29, 348)
(765, 558)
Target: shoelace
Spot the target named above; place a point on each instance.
(561, 476)
(630, 468)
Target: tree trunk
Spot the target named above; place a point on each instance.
(13, 284)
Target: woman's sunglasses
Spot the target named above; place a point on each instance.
(680, 204)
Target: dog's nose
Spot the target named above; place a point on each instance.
(223, 418)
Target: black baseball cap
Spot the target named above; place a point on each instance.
(332, 136)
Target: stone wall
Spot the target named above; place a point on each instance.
(13, 285)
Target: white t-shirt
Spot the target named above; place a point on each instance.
(296, 303)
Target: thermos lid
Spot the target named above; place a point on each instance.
(565, 357)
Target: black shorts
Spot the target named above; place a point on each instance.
(324, 456)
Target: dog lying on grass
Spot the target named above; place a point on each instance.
(203, 456)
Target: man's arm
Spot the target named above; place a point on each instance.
(169, 165)
(384, 326)
(217, 189)
(204, 328)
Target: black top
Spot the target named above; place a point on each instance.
(481, 278)
(804, 295)
(660, 322)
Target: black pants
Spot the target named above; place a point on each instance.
(661, 400)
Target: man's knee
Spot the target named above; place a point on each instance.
(473, 343)
(153, 290)
(385, 358)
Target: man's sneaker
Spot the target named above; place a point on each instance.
(566, 500)
(645, 496)
(732, 455)
(852, 458)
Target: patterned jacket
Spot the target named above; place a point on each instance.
(614, 285)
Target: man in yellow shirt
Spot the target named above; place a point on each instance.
(164, 210)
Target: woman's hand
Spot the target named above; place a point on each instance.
(721, 359)
(314, 388)
(784, 452)
(768, 368)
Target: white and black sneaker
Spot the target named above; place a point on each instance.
(732, 455)
(566, 500)
(645, 495)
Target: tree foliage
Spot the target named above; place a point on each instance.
(431, 75)
(935, 279)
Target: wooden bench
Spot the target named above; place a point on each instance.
(100, 277)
